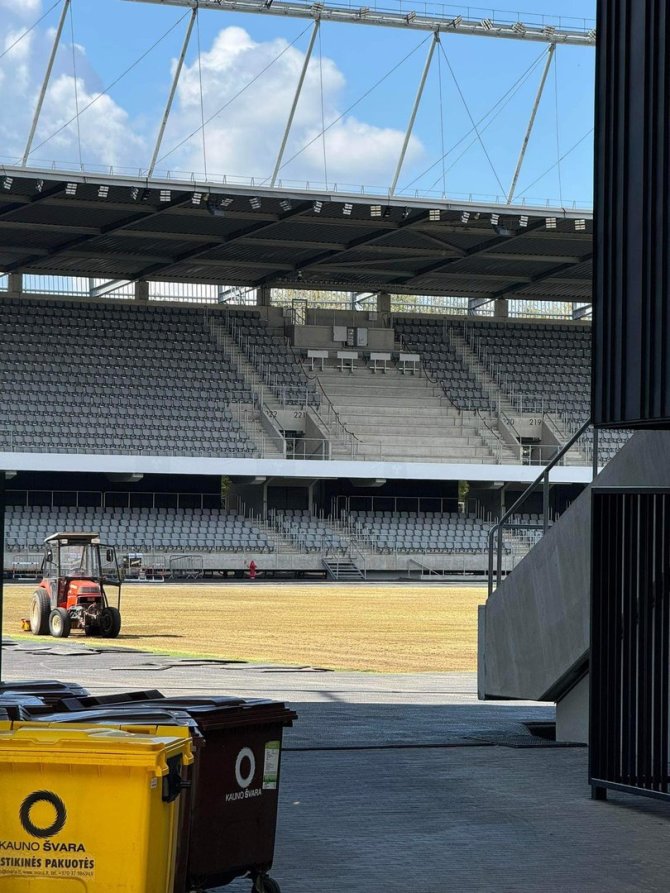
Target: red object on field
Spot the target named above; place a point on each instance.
(252, 570)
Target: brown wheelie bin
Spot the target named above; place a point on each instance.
(233, 802)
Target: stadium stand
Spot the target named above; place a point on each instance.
(116, 378)
(430, 338)
(270, 354)
(132, 529)
(421, 532)
(308, 532)
(526, 367)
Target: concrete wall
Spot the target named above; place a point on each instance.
(321, 337)
(534, 630)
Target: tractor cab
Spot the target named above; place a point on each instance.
(77, 572)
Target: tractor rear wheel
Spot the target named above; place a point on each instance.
(40, 608)
(110, 623)
(59, 623)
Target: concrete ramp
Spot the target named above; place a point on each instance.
(534, 630)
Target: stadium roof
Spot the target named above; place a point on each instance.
(114, 228)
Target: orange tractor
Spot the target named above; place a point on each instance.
(72, 595)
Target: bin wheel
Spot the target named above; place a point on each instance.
(40, 608)
(59, 623)
(110, 623)
(265, 884)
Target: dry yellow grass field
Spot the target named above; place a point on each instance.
(375, 627)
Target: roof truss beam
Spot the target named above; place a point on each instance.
(509, 29)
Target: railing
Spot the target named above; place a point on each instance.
(495, 540)
(423, 569)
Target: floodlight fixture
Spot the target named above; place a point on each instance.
(316, 207)
(216, 207)
(347, 209)
(405, 213)
(103, 191)
(39, 186)
(285, 205)
(592, 34)
(519, 28)
(550, 222)
(267, 4)
(465, 216)
(580, 225)
(70, 189)
(7, 183)
(164, 195)
(196, 198)
(255, 203)
(487, 24)
(410, 17)
(549, 30)
(495, 218)
(375, 210)
(134, 193)
(434, 215)
(523, 220)
(456, 21)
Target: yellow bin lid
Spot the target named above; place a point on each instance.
(100, 745)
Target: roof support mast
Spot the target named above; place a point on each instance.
(45, 82)
(531, 122)
(173, 90)
(301, 81)
(415, 108)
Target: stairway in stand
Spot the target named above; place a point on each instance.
(404, 418)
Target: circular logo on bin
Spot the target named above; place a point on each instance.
(41, 822)
(245, 755)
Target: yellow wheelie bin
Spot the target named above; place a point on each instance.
(89, 809)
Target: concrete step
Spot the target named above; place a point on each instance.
(385, 451)
(438, 428)
(420, 442)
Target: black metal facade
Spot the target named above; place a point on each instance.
(630, 635)
(631, 323)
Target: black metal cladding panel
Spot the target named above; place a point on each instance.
(631, 375)
(630, 640)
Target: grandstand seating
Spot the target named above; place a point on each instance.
(137, 529)
(440, 359)
(421, 531)
(310, 533)
(270, 354)
(116, 378)
(534, 367)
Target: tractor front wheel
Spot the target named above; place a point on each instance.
(39, 613)
(110, 623)
(59, 623)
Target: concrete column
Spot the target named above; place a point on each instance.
(264, 296)
(383, 302)
(15, 283)
(142, 290)
(501, 309)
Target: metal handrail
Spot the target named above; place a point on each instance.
(497, 529)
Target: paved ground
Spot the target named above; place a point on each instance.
(407, 784)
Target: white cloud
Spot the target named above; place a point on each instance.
(243, 140)
(24, 9)
(107, 133)
(105, 129)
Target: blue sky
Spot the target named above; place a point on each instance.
(360, 149)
